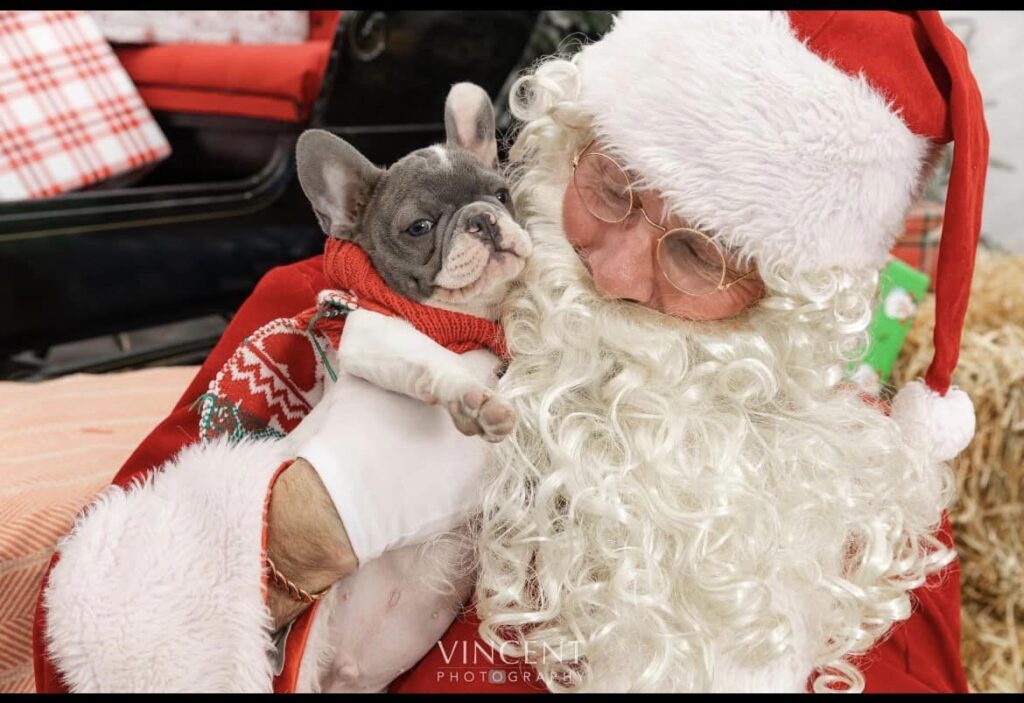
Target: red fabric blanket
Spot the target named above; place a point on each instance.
(921, 655)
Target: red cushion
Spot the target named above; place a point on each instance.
(264, 81)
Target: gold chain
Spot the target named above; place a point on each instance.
(293, 590)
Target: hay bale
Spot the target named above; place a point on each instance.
(988, 518)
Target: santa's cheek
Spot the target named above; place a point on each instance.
(578, 225)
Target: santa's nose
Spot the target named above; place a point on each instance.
(623, 266)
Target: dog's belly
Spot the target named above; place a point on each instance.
(389, 613)
(383, 618)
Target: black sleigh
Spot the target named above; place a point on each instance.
(191, 237)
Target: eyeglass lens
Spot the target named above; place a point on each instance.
(691, 261)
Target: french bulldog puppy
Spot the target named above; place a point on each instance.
(440, 228)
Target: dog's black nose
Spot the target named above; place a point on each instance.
(485, 226)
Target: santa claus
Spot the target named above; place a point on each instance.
(692, 499)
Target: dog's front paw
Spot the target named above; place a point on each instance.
(481, 412)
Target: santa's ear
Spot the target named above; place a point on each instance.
(469, 122)
(336, 178)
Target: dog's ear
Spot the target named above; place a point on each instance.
(336, 178)
(469, 122)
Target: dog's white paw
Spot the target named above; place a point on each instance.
(482, 412)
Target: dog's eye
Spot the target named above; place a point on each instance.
(420, 227)
(502, 196)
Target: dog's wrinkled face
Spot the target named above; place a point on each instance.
(439, 225)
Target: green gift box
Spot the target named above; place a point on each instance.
(901, 289)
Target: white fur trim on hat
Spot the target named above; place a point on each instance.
(753, 137)
(940, 425)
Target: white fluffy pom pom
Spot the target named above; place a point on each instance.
(940, 425)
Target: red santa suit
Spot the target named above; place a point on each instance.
(921, 655)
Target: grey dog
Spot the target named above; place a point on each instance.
(440, 228)
(439, 224)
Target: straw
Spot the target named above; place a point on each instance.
(988, 518)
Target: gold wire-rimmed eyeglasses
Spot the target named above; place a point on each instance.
(691, 261)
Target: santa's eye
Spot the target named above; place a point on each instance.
(420, 227)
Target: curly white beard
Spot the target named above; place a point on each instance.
(690, 506)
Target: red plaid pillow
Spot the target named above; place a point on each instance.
(69, 114)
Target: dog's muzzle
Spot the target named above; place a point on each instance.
(485, 226)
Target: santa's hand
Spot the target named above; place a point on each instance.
(397, 470)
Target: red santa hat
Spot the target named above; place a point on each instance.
(801, 139)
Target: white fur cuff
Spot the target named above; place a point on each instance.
(941, 425)
(159, 587)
